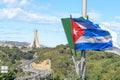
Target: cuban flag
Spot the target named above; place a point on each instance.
(89, 36)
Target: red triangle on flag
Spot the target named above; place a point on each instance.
(77, 31)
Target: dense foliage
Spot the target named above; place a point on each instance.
(8, 76)
(12, 58)
(99, 65)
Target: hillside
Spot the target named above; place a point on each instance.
(99, 65)
(12, 58)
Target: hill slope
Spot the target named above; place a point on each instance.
(99, 65)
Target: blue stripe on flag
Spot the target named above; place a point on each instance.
(95, 32)
(93, 46)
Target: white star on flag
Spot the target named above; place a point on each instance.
(75, 31)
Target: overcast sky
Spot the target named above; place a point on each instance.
(19, 18)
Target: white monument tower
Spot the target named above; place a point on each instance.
(35, 43)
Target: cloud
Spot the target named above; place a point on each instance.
(43, 7)
(16, 10)
(22, 15)
(9, 13)
(114, 25)
(15, 3)
(94, 15)
(9, 2)
(24, 2)
(117, 17)
(67, 15)
(55, 30)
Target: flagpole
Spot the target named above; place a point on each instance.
(84, 15)
(84, 9)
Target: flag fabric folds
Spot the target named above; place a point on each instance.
(89, 36)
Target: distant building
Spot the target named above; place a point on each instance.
(12, 44)
(4, 69)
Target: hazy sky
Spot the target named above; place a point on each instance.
(19, 18)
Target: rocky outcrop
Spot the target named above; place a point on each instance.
(45, 65)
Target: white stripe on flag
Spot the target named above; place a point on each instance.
(81, 26)
(87, 39)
